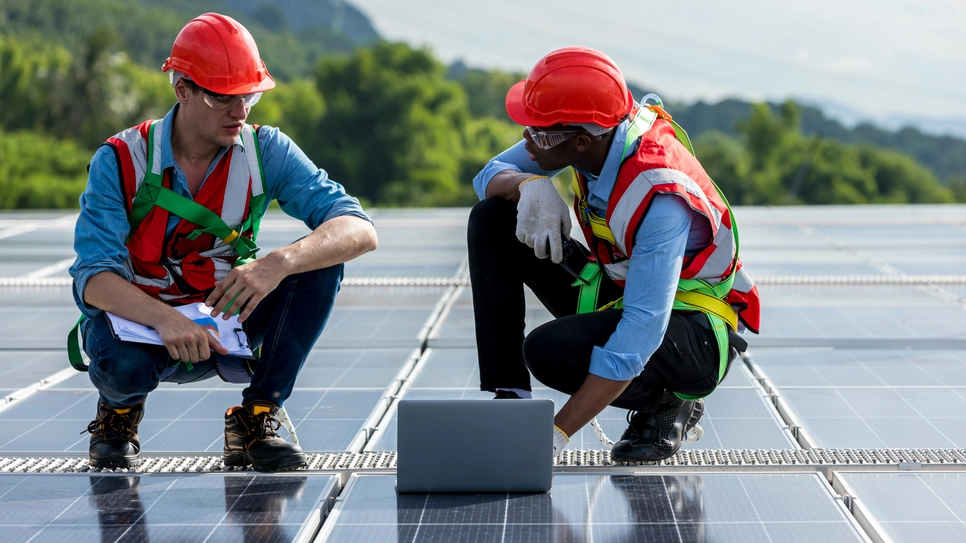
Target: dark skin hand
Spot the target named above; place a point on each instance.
(587, 153)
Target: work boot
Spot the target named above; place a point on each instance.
(251, 439)
(114, 436)
(652, 437)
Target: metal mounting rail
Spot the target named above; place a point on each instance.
(914, 280)
(48, 282)
(717, 460)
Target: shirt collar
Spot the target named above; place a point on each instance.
(603, 184)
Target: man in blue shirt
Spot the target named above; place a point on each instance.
(650, 224)
(139, 258)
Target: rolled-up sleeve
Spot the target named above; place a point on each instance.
(101, 228)
(516, 159)
(652, 279)
(303, 190)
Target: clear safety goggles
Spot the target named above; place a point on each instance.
(227, 102)
(546, 139)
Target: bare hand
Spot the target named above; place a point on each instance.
(245, 286)
(186, 341)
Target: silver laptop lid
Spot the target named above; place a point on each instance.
(474, 446)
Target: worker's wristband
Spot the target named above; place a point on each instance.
(527, 180)
(557, 428)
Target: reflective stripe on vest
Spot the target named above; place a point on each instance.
(132, 163)
(612, 242)
(707, 278)
(187, 266)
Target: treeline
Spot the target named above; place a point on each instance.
(771, 161)
(389, 121)
(291, 36)
(384, 120)
(944, 155)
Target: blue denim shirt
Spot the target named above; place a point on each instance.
(670, 230)
(304, 192)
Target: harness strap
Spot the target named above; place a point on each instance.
(152, 192)
(587, 295)
(73, 347)
(692, 294)
(198, 214)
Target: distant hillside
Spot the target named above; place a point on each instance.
(291, 36)
(944, 155)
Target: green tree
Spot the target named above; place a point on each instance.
(726, 161)
(485, 89)
(899, 178)
(296, 108)
(396, 131)
(40, 172)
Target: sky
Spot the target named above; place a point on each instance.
(890, 61)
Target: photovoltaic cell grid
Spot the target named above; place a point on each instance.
(737, 416)
(714, 507)
(162, 507)
(911, 506)
(817, 353)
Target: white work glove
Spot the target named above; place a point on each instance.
(560, 440)
(543, 219)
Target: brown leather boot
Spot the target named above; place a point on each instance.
(251, 439)
(114, 436)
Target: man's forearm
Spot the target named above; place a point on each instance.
(591, 398)
(506, 185)
(336, 241)
(108, 291)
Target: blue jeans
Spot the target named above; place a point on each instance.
(286, 324)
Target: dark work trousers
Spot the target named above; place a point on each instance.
(558, 352)
(286, 324)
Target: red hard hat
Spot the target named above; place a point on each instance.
(573, 85)
(219, 54)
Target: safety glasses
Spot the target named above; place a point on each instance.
(546, 139)
(226, 102)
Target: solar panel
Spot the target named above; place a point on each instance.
(912, 506)
(883, 368)
(162, 507)
(597, 508)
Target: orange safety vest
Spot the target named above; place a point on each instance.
(182, 268)
(661, 164)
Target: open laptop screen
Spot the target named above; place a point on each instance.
(474, 446)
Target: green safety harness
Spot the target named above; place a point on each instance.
(152, 193)
(692, 294)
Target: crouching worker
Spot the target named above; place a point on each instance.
(169, 218)
(646, 319)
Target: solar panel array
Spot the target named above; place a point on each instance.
(862, 347)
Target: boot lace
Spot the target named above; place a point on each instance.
(640, 426)
(114, 424)
(265, 425)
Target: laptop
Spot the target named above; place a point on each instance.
(474, 446)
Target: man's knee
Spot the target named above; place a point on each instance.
(325, 279)
(542, 357)
(119, 372)
(489, 214)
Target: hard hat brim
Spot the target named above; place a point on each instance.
(516, 108)
(266, 84)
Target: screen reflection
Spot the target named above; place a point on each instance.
(254, 508)
(605, 509)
